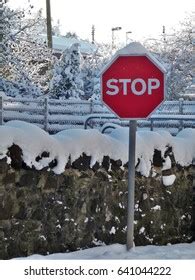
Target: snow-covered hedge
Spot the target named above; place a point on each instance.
(39, 148)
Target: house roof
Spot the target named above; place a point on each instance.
(61, 43)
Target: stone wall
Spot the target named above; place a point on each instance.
(43, 213)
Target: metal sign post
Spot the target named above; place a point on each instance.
(133, 86)
(131, 183)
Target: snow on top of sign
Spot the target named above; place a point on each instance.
(133, 48)
(136, 48)
(73, 143)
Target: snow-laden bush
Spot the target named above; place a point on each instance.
(26, 69)
(66, 82)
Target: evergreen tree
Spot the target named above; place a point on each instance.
(66, 82)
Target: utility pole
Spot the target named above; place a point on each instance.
(93, 34)
(113, 37)
(49, 27)
(3, 23)
(128, 32)
(164, 33)
(164, 37)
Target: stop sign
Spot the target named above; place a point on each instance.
(133, 83)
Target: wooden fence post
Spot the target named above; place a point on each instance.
(1, 110)
(46, 113)
(181, 112)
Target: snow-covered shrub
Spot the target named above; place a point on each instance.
(66, 82)
(28, 60)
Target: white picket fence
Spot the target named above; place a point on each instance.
(56, 115)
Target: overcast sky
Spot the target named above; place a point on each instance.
(144, 18)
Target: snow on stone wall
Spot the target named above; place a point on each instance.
(39, 149)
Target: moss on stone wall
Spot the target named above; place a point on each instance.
(42, 213)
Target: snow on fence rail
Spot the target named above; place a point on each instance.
(55, 115)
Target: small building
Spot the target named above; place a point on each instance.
(61, 43)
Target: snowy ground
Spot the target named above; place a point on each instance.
(117, 251)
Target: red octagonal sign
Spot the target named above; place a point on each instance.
(133, 83)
